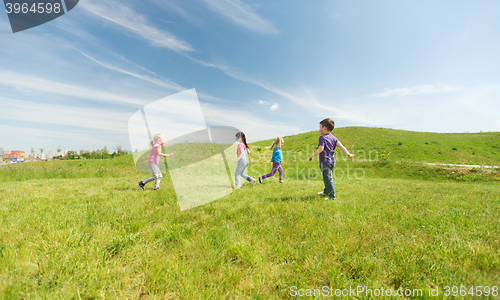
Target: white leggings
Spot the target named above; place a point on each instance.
(156, 175)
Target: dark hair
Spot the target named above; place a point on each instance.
(328, 123)
(242, 136)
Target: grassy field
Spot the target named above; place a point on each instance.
(83, 230)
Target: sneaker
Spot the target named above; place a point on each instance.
(253, 181)
(322, 194)
(156, 189)
(260, 179)
(281, 181)
(141, 185)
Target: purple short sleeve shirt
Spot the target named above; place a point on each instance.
(329, 142)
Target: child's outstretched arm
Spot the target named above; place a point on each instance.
(164, 155)
(317, 152)
(344, 149)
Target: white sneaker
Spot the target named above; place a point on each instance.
(281, 181)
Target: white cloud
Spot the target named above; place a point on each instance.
(421, 89)
(241, 14)
(24, 81)
(255, 128)
(262, 102)
(152, 77)
(158, 80)
(64, 115)
(306, 100)
(275, 106)
(118, 13)
(22, 138)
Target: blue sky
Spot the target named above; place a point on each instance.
(266, 67)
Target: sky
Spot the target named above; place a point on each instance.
(267, 68)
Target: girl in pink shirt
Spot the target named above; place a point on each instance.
(242, 160)
(154, 161)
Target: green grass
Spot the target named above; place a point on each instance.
(68, 231)
(451, 148)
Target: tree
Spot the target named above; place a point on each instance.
(32, 152)
(119, 149)
(59, 149)
(41, 151)
(105, 152)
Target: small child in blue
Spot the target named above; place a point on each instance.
(276, 159)
(326, 149)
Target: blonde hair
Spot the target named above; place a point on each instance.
(277, 140)
(156, 137)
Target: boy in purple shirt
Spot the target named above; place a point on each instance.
(326, 148)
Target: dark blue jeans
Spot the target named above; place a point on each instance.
(327, 171)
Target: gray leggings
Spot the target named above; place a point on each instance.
(156, 175)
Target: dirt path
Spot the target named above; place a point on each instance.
(463, 166)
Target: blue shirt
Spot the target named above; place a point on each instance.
(276, 155)
(329, 142)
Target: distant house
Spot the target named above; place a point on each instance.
(13, 154)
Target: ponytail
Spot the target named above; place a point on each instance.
(276, 141)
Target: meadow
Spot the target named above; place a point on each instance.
(83, 230)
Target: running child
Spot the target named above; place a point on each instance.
(154, 161)
(242, 160)
(326, 148)
(276, 159)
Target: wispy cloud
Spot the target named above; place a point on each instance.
(420, 89)
(241, 14)
(306, 100)
(275, 106)
(262, 102)
(255, 128)
(64, 115)
(151, 77)
(120, 14)
(24, 137)
(158, 80)
(32, 83)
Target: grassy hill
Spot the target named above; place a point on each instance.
(392, 153)
(83, 230)
(410, 146)
(379, 153)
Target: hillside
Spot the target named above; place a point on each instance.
(400, 145)
(380, 153)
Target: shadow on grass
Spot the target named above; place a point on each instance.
(290, 198)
